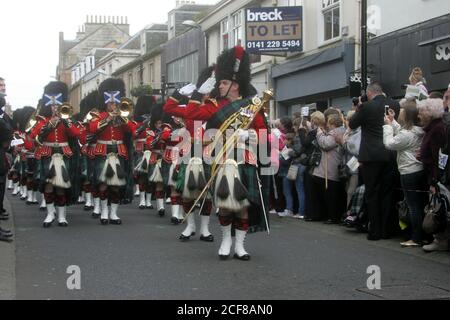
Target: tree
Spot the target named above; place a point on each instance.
(141, 90)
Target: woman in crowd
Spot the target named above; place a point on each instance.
(286, 127)
(406, 139)
(327, 191)
(351, 142)
(416, 79)
(308, 139)
(431, 115)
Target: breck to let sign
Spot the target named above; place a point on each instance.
(274, 29)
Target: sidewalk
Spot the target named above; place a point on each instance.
(351, 234)
(8, 260)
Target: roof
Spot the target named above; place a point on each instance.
(93, 33)
(192, 7)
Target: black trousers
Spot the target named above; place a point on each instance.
(379, 180)
(327, 203)
(2, 189)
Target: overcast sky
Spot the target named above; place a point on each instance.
(30, 31)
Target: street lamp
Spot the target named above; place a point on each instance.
(191, 23)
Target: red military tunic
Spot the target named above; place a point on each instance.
(205, 111)
(57, 138)
(111, 135)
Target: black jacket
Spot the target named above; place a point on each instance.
(370, 117)
(5, 139)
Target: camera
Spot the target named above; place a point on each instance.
(355, 102)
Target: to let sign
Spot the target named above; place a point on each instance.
(274, 29)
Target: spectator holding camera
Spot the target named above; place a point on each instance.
(406, 139)
(375, 159)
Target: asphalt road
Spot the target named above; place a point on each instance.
(143, 259)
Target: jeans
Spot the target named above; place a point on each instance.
(300, 189)
(416, 201)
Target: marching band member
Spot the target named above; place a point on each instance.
(142, 156)
(111, 153)
(52, 135)
(192, 172)
(236, 188)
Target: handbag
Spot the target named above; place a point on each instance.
(403, 212)
(292, 173)
(316, 156)
(435, 220)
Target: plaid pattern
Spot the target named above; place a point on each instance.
(165, 171)
(224, 113)
(357, 201)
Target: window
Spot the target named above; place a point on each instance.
(237, 28)
(331, 19)
(152, 73)
(289, 3)
(224, 30)
(184, 69)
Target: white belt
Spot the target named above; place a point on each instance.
(110, 143)
(141, 140)
(56, 145)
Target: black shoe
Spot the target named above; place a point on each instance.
(329, 222)
(183, 238)
(150, 207)
(47, 225)
(162, 212)
(223, 258)
(5, 238)
(175, 221)
(42, 209)
(6, 233)
(95, 215)
(88, 208)
(115, 222)
(4, 216)
(209, 238)
(104, 222)
(63, 224)
(243, 258)
(373, 238)
(142, 207)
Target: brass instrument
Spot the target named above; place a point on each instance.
(123, 110)
(32, 121)
(91, 115)
(65, 111)
(126, 107)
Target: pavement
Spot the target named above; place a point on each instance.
(143, 259)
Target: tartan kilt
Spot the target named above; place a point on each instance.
(249, 178)
(99, 165)
(181, 176)
(165, 172)
(87, 169)
(45, 169)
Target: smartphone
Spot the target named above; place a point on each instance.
(386, 110)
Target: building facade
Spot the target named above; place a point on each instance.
(75, 60)
(400, 42)
(319, 75)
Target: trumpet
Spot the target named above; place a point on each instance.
(124, 110)
(91, 115)
(65, 111)
(126, 107)
(32, 121)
